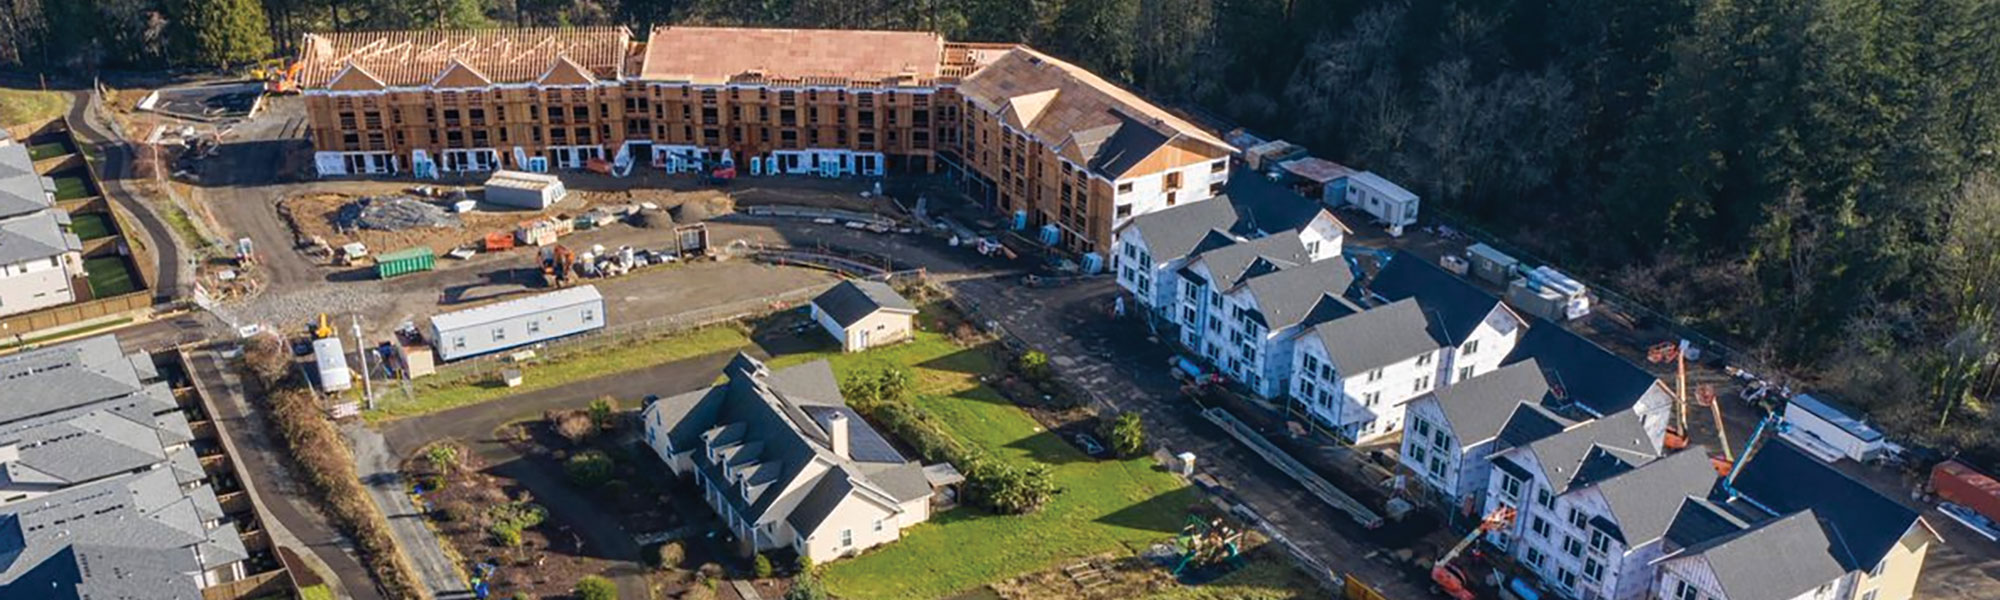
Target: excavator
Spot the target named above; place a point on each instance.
(322, 328)
(1452, 579)
(558, 265)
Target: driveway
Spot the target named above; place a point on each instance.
(85, 115)
(377, 468)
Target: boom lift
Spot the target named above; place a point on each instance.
(1452, 579)
(1677, 436)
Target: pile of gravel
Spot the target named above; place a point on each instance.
(694, 211)
(395, 213)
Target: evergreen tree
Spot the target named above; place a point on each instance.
(223, 33)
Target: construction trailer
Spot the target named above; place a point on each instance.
(1389, 203)
(534, 191)
(1491, 264)
(1829, 431)
(330, 361)
(519, 322)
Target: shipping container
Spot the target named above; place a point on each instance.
(513, 323)
(1959, 484)
(405, 261)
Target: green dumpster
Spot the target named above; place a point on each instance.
(405, 261)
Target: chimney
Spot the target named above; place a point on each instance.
(836, 432)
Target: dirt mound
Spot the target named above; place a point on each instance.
(702, 209)
(395, 213)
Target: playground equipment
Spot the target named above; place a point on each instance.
(1203, 543)
(1452, 579)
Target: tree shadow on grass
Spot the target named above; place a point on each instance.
(1164, 513)
(1052, 448)
(970, 361)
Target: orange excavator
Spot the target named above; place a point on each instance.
(1452, 579)
(558, 266)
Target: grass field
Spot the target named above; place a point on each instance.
(435, 394)
(47, 151)
(71, 188)
(18, 107)
(316, 592)
(90, 226)
(109, 276)
(1118, 506)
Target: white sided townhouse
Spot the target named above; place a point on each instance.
(1474, 328)
(1588, 382)
(1449, 434)
(1354, 372)
(1152, 247)
(1593, 505)
(1243, 306)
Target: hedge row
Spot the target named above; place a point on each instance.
(328, 467)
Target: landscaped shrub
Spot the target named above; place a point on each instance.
(1126, 434)
(1005, 488)
(593, 587)
(806, 587)
(1034, 365)
(589, 468)
(328, 467)
(762, 566)
(573, 425)
(505, 533)
(442, 456)
(602, 410)
(670, 555)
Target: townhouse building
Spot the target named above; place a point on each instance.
(41, 261)
(1593, 504)
(786, 464)
(1152, 247)
(1449, 434)
(104, 495)
(1037, 138)
(1474, 328)
(1243, 305)
(1588, 382)
(1787, 526)
(1355, 371)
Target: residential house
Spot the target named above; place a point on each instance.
(1154, 246)
(1587, 381)
(103, 495)
(1476, 330)
(1355, 370)
(1788, 526)
(864, 314)
(1450, 433)
(1592, 504)
(41, 262)
(1243, 305)
(784, 461)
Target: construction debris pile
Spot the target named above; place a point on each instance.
(394, 213)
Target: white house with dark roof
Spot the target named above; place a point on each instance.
(785, 462)
(1449, 434)
(40, 260)
(864, 314)
(1593, 504)
(1152, 247)
(101, 495)
(1354, 371)
(1587, 382)
(1476, 329)
(1253, 306)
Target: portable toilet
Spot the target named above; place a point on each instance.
(1051, 234)
(1093, 263)
(1020, 220)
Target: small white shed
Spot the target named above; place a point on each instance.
(331, 362)
(864, 314)
(524, 190)
(1388, 202)
(502, 325)
(1829, 431)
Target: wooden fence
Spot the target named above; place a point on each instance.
(56, 316)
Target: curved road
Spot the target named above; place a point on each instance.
(85, 115)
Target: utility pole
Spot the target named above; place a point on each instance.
(361, 352)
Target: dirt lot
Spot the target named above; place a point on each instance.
(314, 215)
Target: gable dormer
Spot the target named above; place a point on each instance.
(459, 76)
(1023, 110)
(566, 72)
(355, 78)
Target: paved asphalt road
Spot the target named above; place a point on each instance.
(282, 496)
(85, 114)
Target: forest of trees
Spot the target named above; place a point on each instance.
(1812, 180)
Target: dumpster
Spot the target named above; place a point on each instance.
(1961, 485)
(499, 240)
(405, 261)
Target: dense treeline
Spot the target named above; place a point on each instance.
(1813, 180)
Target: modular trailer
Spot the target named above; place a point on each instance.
(514, 323)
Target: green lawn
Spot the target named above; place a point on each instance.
(90, 226)
(18, 107)
(109, 276)
(435, 394)
(315, 592)
(47, 151)
(1103, 506)
(71, 188)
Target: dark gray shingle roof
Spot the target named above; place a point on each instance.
(1646, 499)
(1177, 231)
(1592, 451)
(1292, 296)
(853, 300)
(22, 191)
(1777, 560)
(1375, 338)
(1785, 479)
(1229, 265)
(1579, 371)
(1480, 407)
(1455, 306)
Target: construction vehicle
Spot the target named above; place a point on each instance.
(558, 266)
(720, 176)
(324, 328)
(1677, 435)
(1452, 579)
(1727, 467)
